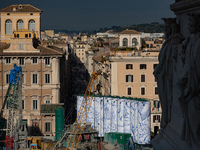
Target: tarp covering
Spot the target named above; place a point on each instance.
(125, 115)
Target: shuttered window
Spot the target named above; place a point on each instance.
(8, 27)
(129, 91)
(31, 25)
(129, 78)
(143, 66)
(142, 91)
(142, 78)
(156, 90)
(156, 118)
(20, 24)
(129, 66)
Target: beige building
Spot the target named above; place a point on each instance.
(40, 65)
(80, 49)
(132, 76)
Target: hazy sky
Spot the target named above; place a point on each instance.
(94, 14)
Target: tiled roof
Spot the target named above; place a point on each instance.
(99, 57)
(44, 51)
(23, 8)
(129, 32)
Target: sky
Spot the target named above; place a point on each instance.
(95, 14)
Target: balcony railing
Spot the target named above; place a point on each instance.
(49, 109)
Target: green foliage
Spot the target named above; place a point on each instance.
(153, 27)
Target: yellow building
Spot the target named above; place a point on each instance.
(15, 17)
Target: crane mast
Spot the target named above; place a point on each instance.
(16, 134)
(79, 124)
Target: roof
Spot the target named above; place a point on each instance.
(44, 51)
(99, 57)
(20, 8)
(129, 32)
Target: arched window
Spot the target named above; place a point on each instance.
(8, 27)
(125, 42)
(31, 25)
(134, 42)
(20, 24)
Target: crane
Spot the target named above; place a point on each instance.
(78, 126)
(83, 112)
(15, 135)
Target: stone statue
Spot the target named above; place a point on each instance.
(189, 84)
(163, 71)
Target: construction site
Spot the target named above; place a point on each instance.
(67, 92)
(102, 123)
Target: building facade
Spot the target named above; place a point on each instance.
(40, 66)
(15, 17)
(132, 76)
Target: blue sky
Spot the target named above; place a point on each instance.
(95, 14)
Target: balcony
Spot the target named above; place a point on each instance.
(49, 109)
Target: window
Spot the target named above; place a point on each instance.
(20, 24)
(156, 90)
(142, 91)
(8, 61)
(21, 46)
(21, 61)
(156, 118)
(125, 42)
(129, 66)
(8, 27)
(35, 128)
(47, 101)
(129, 91)
(31, 25)
(17, 35)
(34, 60)
(47, 78)
(154, 66)
(35, 104)
(47, 127)
(7, 78)
(142, 78)
(47, 61)
(82, 54)
(134, 42)
(34, 78)
(129, 78)
(143, 66)
(139, 54)
(29, 35)
(23, 105)
(26, 35)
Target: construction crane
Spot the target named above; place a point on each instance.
(16, 133)
(83, 112)
(78, 126)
